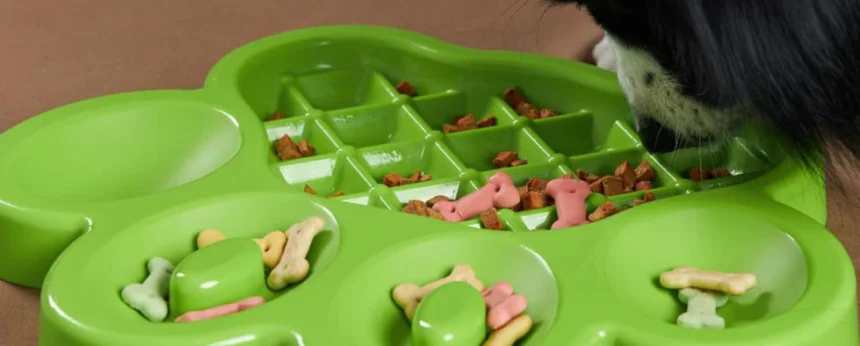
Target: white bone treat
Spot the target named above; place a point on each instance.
(407, 296)
(150, 297)
(293, 266)
(689, 277)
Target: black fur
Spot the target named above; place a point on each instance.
(794, 65)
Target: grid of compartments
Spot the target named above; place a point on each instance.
(362, 128)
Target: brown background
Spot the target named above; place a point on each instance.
(57, 52)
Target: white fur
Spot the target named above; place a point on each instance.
(661, 99)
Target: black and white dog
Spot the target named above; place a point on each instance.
(694, 70)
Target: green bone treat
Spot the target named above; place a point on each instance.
(702, 309)
(150, 297)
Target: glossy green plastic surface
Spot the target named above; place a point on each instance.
(89, 192)
(453, 314)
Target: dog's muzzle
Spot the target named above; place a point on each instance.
(658, 138)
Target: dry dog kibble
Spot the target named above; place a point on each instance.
(537, 184)
(467, 122)
(487, 122)
(416, 207)
(293, 266)
(587, 177)
(272, 246)
(689, 277)
(306, 149)
(699, 173)
(535, 200)
(626, 173)
(505, 159)
(518, 102)
(720, 173)
(336, 194)
(310, 190)
(434, 200)
(490, 219)
(407, 296)
(395, 179)
(644, 172)
(286, 149)
(643, 185)
(519, 162)
(405, 88)
(275, 116)
(603, 211)
(612, 185)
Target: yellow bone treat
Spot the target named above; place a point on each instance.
(509, 334)
(272, 246)
(293, 266)
(208, 237)
(690, 277)
(407, 296)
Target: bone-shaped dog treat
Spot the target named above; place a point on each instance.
(293, 266)
(272, 246)
(702, 309)
(208, 237)
(502, 304)
(511, 332)
(569, 195)
(407, 296)
(499, 192)
(686, 277)
(221, 310)
(150, 297)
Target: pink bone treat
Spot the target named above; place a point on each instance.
(499, 192)
(502, 304)
(569, 195)
(221, 310)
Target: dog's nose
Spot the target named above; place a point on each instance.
(658, 138)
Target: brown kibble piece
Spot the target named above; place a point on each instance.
(448, 128)
(391, 179)
(720, 173)
(597, 186)
(415, 207)
(437, 199)
(546, 113)
(523, 190)
(644, 185)
(699, 173)
(275, 116)
(612, 186)
(649, 197)
(524, 109)
(533, 114)
(513, 97)
(487, 122)
(644, 172)
(603, 211)
(623, 208)
(287, 150)
(306, 149)
(625, 172)
(586, 177)
(435, 214)
(519, 162)
(567, 175)
(310, 190)
(504, 159)
(466, 122)
(405, 88)
(535, 200)
(425, 177)
(490, 219)
(537, 184)
(336, 194)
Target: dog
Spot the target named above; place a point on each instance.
(695, 71)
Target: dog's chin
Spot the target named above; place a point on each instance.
(659, 138)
